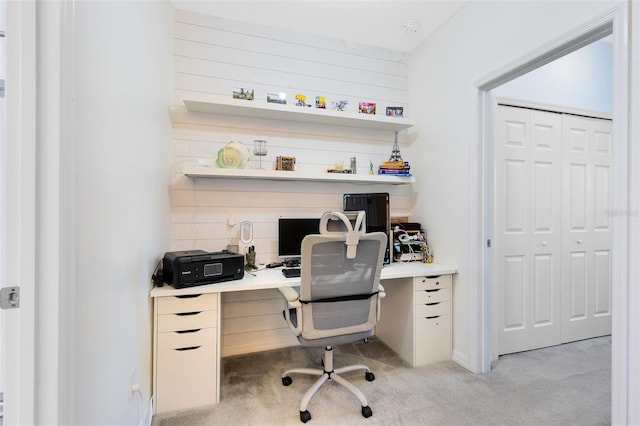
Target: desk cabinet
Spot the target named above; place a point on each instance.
(432, 319)
(185, 351)
(421, 334)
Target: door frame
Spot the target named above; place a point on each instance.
(614, 22)
(19, 164)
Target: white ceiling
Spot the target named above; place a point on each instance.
(371, 22)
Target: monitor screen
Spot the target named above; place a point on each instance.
(376, 207)
(291, 231)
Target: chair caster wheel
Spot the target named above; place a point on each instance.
(286, 380)
(305, 416)
(366, 412)
(369, 376)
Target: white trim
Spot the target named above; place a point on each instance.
(523, 103)
(623, 263)
(614, 21)
(19, 324)
(68, 207)
(549, 52)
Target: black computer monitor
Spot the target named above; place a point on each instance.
(291, 232)
(376, 207)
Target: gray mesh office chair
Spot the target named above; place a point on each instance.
(339, 300)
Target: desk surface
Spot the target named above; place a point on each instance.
(273, 278)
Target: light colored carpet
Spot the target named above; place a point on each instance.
(568, 384)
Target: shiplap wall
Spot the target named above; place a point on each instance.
(214, 56)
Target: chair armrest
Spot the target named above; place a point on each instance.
(291, 295)
(293, 301)
(381, 295)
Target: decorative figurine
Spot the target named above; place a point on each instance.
(395, 151)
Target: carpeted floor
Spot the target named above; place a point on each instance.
(568, 384)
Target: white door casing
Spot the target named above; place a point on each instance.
(586, 269)
(527, 158)
(18, 176)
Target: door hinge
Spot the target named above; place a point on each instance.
(489, 243)
(10, 297)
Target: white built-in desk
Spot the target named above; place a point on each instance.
(188, 328)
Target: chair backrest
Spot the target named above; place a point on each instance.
(339, 281)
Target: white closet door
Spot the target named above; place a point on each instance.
(528, 237)
(586, 269)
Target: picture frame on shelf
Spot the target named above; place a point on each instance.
(286, 163)
(277, 98)
(367, 108)
(242, 93)
(395, 111)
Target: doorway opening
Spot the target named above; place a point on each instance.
(551, 178)
(613, 23)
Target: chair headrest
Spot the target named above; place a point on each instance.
(352, 224)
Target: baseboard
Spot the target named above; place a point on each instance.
(461, 359)
(148, 414)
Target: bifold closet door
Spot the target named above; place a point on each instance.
(527, 228)
(586, 270)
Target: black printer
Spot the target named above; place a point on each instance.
(197, 267)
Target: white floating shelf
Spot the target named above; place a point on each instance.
(261, 109)
(213, 172)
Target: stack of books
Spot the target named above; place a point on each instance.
(395, 168)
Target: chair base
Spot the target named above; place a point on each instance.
(329, 373)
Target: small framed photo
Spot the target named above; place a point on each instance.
(367, 108)
(321, 102)
(286, 163)
(395, 112)
(242, 93)
(277, 97)
(339, 105)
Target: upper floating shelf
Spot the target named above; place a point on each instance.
(257, 109)
(214, 172)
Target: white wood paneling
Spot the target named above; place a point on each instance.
(212, 56)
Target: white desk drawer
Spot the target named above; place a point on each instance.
(187, 321)
(190, 303)
(433, 296)
(187, 338)
(433, 309)
(186, 378)
(433, 339)
(429, 283)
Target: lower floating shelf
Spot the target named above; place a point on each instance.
(213, 172)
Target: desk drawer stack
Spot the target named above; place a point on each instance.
(432, 319)
(185, 351)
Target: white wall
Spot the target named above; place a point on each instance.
(482, 38)
(121, 132)
(582, 79)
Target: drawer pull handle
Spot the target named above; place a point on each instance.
(195, 330)
(435, 276)
(188, 296)
(434, 290)
(433, 317)
(186, 314)
(190, 348)
(432, 304)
